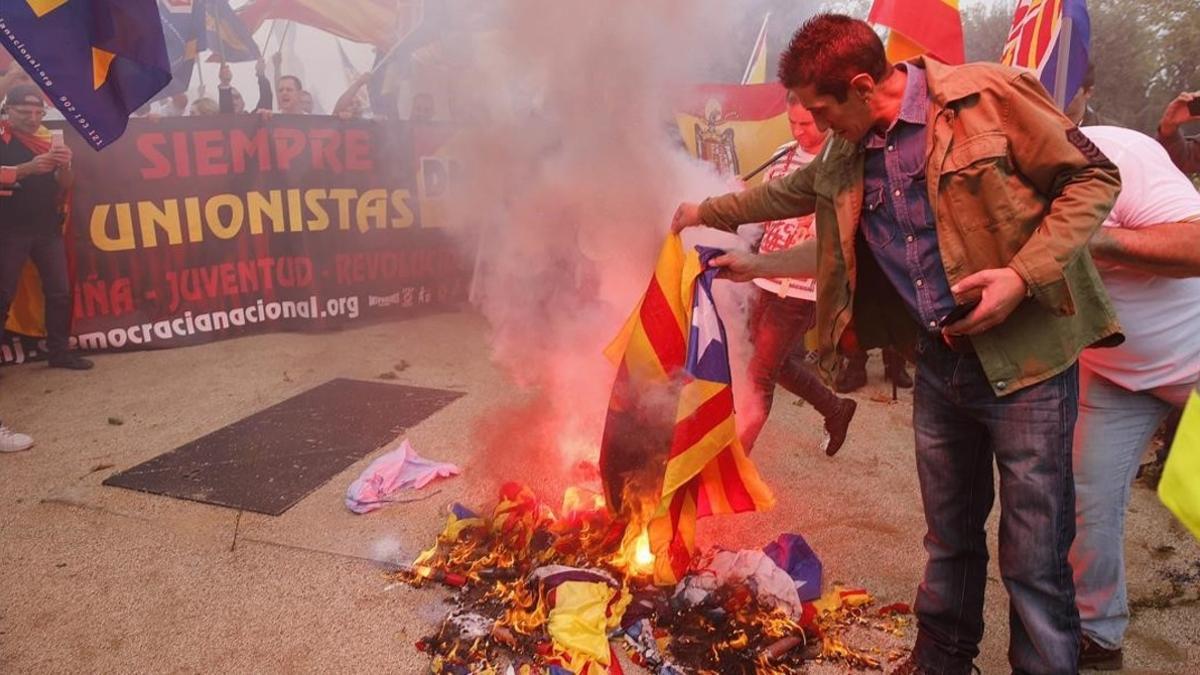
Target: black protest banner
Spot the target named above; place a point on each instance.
(193, 229)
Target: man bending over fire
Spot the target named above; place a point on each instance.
(953, 210)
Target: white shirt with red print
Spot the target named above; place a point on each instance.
(780, 235)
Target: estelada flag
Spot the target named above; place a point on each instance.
(732, 126)
(918, 27)
(228, 37)
(674, 343)
(1179, 487)
(97, 61)
(376, 22)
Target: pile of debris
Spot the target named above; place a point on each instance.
(540, 592)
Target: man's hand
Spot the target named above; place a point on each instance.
(61, 155)
(260, 67)
(43, 163)
(687, 215)
(738, 265)
(1177, 113)
(225, 75)
(999, 291)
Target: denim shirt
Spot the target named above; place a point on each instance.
(897, 220)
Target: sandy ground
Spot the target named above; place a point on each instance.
(98, 579)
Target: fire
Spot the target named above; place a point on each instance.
(643, 559)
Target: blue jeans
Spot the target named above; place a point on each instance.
(961, 429)
(1115, 426)
(777, 327)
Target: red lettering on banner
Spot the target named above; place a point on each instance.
(357, 268)
(159, 166)
(325, 144)
(358, 150)
(289, 143)
(209, 149)
(242, 147)
(183, 165)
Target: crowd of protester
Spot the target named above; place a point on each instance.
(1126, 253)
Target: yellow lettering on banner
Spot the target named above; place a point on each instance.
(195, 223)
(372, 209)
(343, 197)
(320, 221)
(99, 228)
(237, 216)
(400, 203)
(43, 7)
(270, 206)
(151, 217)
(295, 217)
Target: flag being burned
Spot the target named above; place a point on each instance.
(670, 452)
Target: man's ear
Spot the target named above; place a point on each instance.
(863, 85)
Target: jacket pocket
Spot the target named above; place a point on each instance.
(977, 183)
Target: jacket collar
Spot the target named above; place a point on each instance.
(946, 83)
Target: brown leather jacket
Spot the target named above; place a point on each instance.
(1012, 183)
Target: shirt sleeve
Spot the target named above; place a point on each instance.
(1185, 152)
(785, 197)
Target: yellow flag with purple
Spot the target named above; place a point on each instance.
(675, 340)
(97, 60)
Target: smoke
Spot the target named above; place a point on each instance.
(569, 188)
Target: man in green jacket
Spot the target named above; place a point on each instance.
(946, 187)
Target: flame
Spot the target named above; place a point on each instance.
(643, 559)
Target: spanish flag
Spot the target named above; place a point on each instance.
(919, 27)
(675, 342)
(734, 127)
(1179, 487)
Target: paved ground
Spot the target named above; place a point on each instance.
(97, 579)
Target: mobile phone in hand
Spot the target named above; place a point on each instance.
(957, 314)
(1194, 106)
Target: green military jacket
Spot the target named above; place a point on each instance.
(1012, 183)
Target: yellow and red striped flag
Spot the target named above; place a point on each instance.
(1179, 487)
(675, 341)
(919, 27)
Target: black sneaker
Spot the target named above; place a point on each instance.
(1095, 657)
(837, 424)
(70, 362)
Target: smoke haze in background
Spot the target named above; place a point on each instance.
(570, 188)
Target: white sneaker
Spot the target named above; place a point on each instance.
(11, 441)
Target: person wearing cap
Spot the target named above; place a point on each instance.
(10, 441)
(32, 224)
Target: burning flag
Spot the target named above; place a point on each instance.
(674, 346)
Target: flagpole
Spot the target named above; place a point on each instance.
(754, 52)
(1064, 63)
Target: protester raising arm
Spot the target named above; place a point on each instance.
(348, 100)
(266, 92)
(1185, 152)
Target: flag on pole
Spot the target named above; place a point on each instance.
(756, 67)
(352, 74)
(675, 341)
(1036, 42)
(227, 36)
(1179, 487)
(918, 27)
(97, 61)
(183, 27)
(376, 22)
(734, 127)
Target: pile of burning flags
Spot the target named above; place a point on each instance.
(545, 592)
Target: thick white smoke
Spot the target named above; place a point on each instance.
(570, 185)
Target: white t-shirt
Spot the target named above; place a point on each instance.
(780, 235)
(1160, 315)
